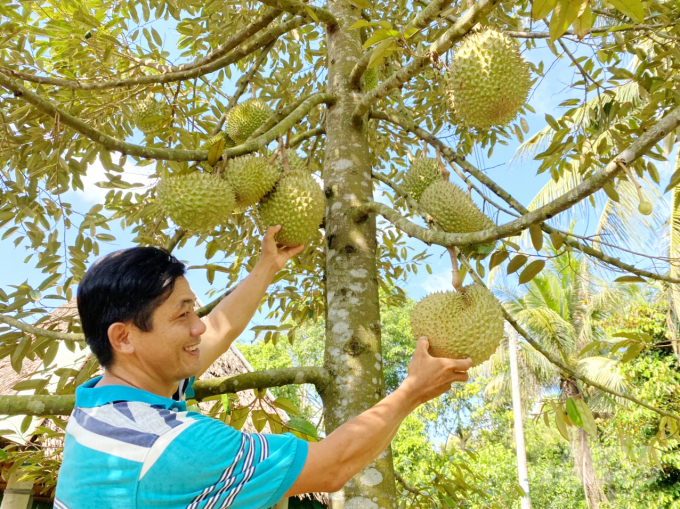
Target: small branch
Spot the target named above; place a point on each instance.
(232, 57)
(456, 280)
(172, 243)
(242, 85)
(303, 9)
(63, 405)
(317, 131)
(38, 331)
(554, 360)
(407, 487)
(397, 80)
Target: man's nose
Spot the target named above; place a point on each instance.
(198, 328)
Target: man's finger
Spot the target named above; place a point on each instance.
(459, 364)
(423, 343)
(272, 230)
(457, 376)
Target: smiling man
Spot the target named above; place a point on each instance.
(130, 442)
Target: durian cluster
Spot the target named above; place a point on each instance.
(488, 81)
(468, 323)
(450, 207)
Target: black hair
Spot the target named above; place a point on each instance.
(125, 286)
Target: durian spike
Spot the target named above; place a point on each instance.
(284, 157)
(456, 280)
(445, 173)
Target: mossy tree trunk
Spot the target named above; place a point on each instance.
(353, 351)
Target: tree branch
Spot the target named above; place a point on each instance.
(424, 17)
(453, 157)
(302, 9)
(554, 360)
(397, 80)
(111, 143)
(232, 57)
(317, 131)
(63, 404)
(38, 331)
(242, 85)
(259, 24)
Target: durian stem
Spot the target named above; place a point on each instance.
(456, 280)
(284, 156)
(172, 243)
(554, 360)
(445, 172)
(631, 175)
(274, 156)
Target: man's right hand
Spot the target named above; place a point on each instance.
(429, 377)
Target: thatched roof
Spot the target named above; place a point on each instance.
(229, 364)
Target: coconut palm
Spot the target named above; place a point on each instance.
(564, 309)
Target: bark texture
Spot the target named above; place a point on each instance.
(353, 351)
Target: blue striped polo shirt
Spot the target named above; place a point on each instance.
(130, 449)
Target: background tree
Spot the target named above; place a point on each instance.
(73, 72)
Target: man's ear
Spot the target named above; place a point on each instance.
(119, 337)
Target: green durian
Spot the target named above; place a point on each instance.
(151, 116)
(422, 172)
(488, 81)
(198, 202)
(461, 324)
(297, 203)
(245, 118)
(251, 177)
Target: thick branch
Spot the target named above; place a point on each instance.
(424, 17)
(303, 9)
(554, 360)
(397, 80)
(232, 57)
(63, 405)
(317, 131)
(242, 85)
(38, 331)
(453, 157)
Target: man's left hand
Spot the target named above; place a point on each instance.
(276, 255)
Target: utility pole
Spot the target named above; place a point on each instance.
(517, 414)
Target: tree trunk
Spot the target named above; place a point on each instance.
(583, 459)
(353, 352)
(517, 412)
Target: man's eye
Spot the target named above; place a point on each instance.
(185, 314)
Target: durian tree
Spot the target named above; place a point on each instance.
(261, 101)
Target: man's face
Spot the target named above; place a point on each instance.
(169, 352)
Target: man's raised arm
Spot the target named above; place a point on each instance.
(231, 316)
(336, 459)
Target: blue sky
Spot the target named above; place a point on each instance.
(519, 179)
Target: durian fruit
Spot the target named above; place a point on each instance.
(198, 202)
(228, 142)
(251, 177)
(298, 205)
(454, 211)
(461, 324)
(151, 116)
(422, 172)
(488, 81)
(246, 118)
(370, 79)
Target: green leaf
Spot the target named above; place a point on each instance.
(381, 35)
(286, 405)
(311, 13)
(497, 258)
(584, 23)
(536, 236)
(631, 8)
(531, 271)
(573, 413)
(560, 420)
(361, 4)
(589, 424)
(557, 240)
(552, 122)
(259, 418)
(632, 352)
(541, 8)
(675, 178)
(611, 192)
(303, 426)
(566, 11)
(381, 51)
(630, 279)
(516, 263)
(238, 417)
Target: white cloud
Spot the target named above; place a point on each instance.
(437, 283)
(92, 193)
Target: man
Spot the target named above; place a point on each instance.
(130, 442)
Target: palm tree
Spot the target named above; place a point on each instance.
(563, 308)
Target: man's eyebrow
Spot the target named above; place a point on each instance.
(184, 302)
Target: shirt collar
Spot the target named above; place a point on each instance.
(89, 396)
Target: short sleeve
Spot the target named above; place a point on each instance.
(211, 465)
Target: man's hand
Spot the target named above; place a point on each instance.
(274, 255)
(429, 377)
